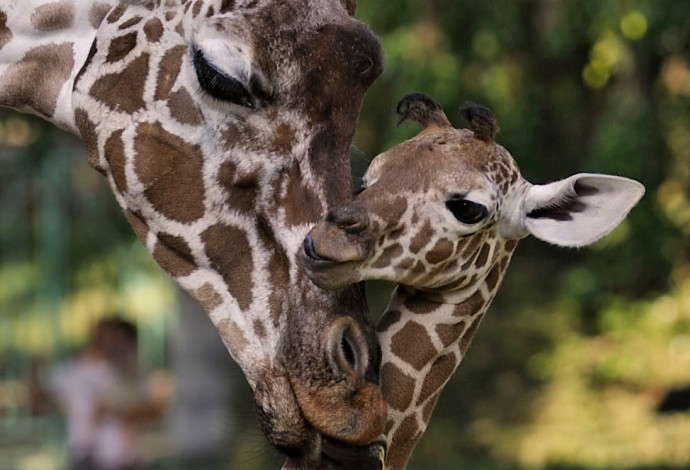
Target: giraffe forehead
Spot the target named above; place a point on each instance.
(444, 162)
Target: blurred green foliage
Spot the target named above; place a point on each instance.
(579, 347)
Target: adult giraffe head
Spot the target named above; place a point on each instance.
(224, 128)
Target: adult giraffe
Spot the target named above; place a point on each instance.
(441, 214)
(223, 128)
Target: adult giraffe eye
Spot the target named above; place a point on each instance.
(467, 212)
(220, 85)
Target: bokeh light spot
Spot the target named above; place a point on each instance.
(634, 25)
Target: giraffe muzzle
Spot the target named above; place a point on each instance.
(339, 456)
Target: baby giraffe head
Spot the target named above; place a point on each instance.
(438, 211)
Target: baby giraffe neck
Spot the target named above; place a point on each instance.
(43, 45)
(424, 338)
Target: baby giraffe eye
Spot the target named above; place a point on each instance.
(219, 85)
(467, 212)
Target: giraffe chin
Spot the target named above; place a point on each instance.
(331, 275)
(293, 434)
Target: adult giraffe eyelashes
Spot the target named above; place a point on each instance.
(224, 87)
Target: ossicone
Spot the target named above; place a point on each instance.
(422, 109)
(482, 121)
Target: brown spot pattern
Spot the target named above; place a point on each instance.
(259, 329)
(114, 152)
(196, 9)
(120, 47)
(87, 130)
(53, 16)
(405, 264)
(153, 30)
(97, 13)
(417, 304)
(171, 171)
(138, 224)
(301, 204)
(429, 408)
(483, 256)
(388, 255)
(422, 238)
(231, 256)
(403, 442)
(131, 22)
(241, 192)
(184, 109)
(470, 306)
(233, 336)
(169, 70)
(117, 13)
(174, 255)
(440, 372)
(493, 278)
(472, 245)
(413, 345)
(440, 252)
(283, 140)
(450, 333)
(390, 318)
(467, 337)
(397, 387)
(208, 297)
(124, 91)
(5, 32)
(49, 67)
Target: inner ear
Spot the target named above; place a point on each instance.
(570, 203)
(578, 210)
(350, 6)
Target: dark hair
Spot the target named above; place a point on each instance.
(482, 121)
(127, 328)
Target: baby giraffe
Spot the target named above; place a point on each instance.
(441, 214)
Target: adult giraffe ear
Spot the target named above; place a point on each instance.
(578, 210)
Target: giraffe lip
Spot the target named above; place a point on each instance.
(310, 251)
(339, 455)
(329, 274)
(324, 272)
(318, 260)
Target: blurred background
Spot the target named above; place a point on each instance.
(574, 364)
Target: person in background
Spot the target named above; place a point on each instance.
(104, 400)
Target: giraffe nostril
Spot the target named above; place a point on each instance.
(349, 351)
(348, 220)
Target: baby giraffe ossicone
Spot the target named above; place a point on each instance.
(441, 214)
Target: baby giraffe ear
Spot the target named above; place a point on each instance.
(579, 210)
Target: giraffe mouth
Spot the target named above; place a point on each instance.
(339, 456)
(327, 273)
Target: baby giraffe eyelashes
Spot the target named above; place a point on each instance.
(219, 85)
(467, 212)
